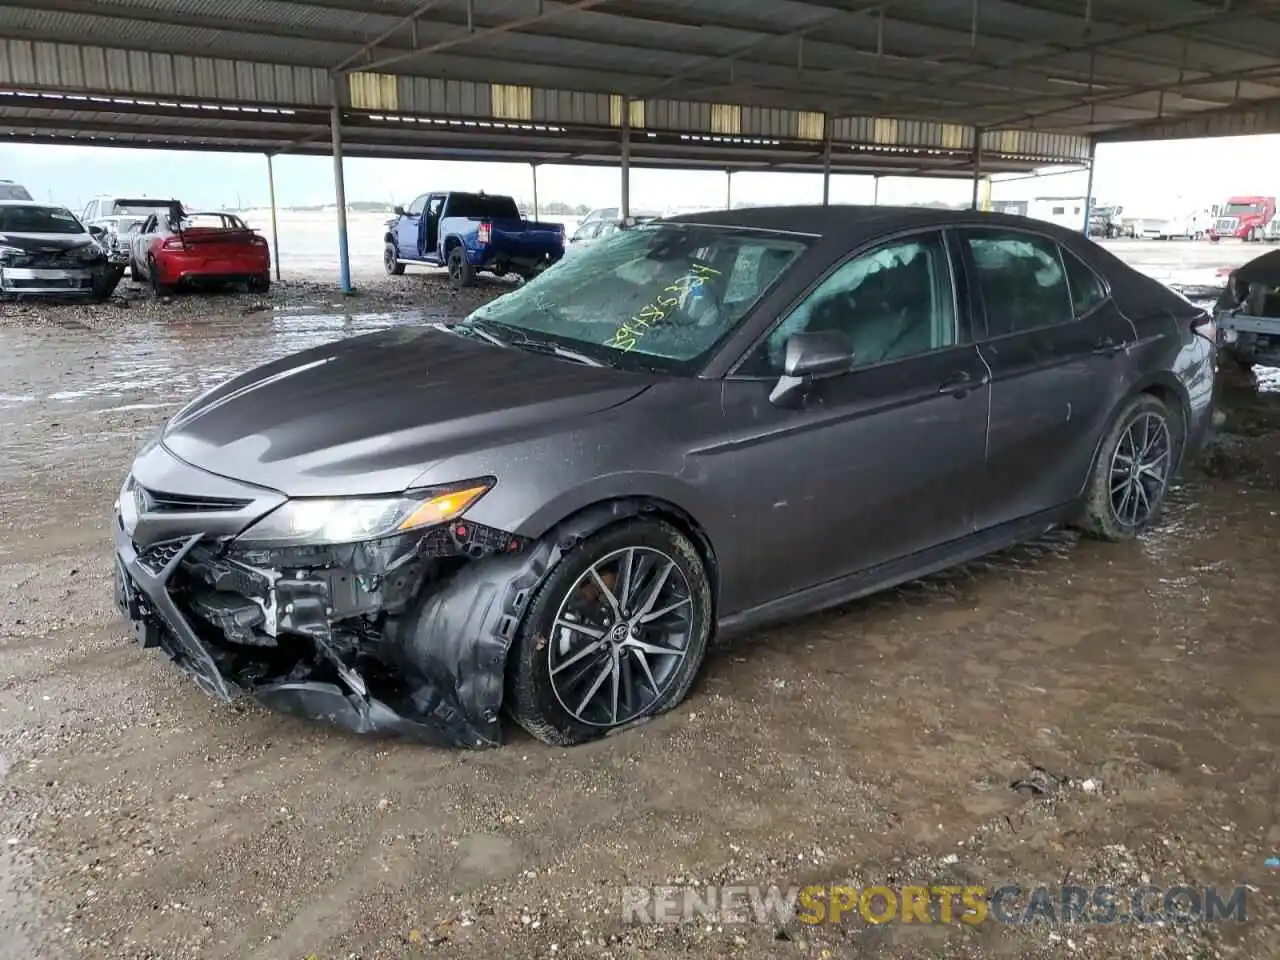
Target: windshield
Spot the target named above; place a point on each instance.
(38, 220)
(656, 297)
(13, 191)
(1234, 209)
(482, 208)
(212, 221)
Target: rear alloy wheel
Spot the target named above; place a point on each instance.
(391, 261)
(461, 273)
(1133, 470)
(260, 283)
(160, 289)
(615, 634)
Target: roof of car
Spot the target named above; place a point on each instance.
(852, 220)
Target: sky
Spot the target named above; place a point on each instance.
(1154, 175)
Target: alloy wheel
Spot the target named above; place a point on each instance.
(1140, 469)
(388, 260)
(620, 636)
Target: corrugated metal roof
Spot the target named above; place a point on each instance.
(1101, 68)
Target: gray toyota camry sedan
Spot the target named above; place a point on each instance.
(696, 427)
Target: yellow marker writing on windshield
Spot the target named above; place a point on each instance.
(628, 334)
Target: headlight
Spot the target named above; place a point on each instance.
(90, 251)
(316, 522)
(7, 251)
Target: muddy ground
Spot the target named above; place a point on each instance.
(877, 744)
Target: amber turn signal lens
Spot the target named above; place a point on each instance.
(443, 508)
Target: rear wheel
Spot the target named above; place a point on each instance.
(461, 273)
(1132, 473)
(261, 283)
(159, 288)
(391, 261)
(615, 633)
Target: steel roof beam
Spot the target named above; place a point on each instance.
(543, 15)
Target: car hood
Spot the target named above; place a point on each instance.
(46, 242)
(371, 413)
(1263, 269)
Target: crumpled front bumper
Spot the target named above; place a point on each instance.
(450, 652)
(51, 281)
(143, 597)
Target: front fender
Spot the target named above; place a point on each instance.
(617, 486)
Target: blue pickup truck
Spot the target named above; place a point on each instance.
(470, 233)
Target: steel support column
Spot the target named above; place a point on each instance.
(339, 186)
(1088, 190)
(875, 190)
(626, 158)
(275, 233)
(977, 163)
(728, 189)
(535, 190)
(826, 161)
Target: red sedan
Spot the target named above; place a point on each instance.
(172, 250)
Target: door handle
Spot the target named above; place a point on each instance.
(961, 384)
(1106, 347)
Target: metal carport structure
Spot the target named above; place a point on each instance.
(914, 87)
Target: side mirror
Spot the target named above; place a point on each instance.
(398, 211)
(810, 357)
(98, 231)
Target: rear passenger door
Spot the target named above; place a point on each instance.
(1054, 344)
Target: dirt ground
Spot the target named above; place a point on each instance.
(874, 745)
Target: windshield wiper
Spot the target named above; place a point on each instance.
(470, 330)
(555, 350)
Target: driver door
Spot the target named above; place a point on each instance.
(407, 229)
(431, 227)
(876, 464)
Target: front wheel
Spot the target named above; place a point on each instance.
(461, 273)
(615, 634)
(1132, 472)
(391, 261)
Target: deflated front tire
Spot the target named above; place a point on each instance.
(614, 634)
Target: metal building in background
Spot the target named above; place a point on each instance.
(896, 87)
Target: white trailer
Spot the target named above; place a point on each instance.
(1064, 211)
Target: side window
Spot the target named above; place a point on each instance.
(90, 211)
(1021, 280)
(1087, 290)
(417, 206)
(891, 303)
(436, 206)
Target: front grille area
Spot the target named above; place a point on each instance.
(156, 556)
(158, 501)
(56, 283)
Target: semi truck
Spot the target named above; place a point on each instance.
(1244, 218)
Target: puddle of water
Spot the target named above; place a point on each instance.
(133, 406)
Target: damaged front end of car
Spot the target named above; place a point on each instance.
(1248, 312)
(39, 268)
(404, 634)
